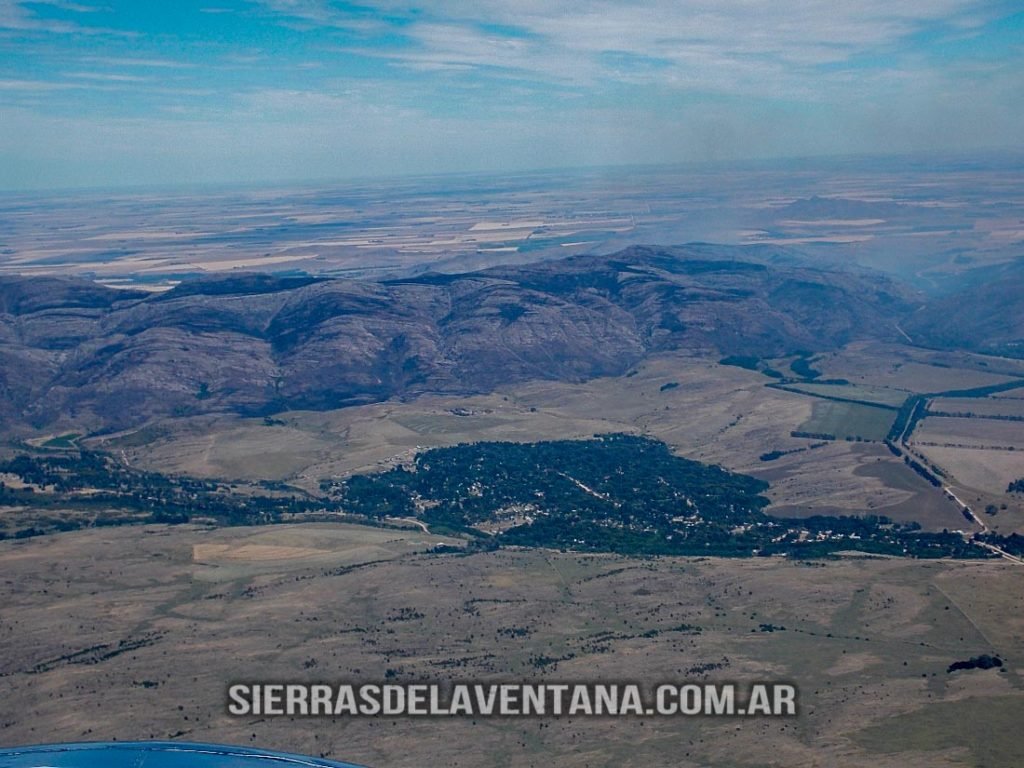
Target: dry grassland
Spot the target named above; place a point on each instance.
(185, 611)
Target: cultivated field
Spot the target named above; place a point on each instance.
(862, 392)
(849, 420)
(451, 223)
(855, 478)
(912, 369)
(980, 406)
(978, 433)
(228, 556)
(132, 633)
(980, 468)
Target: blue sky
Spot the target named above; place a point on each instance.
(112, 92)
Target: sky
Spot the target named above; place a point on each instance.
(157, 92)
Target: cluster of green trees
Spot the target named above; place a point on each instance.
(94, 482)
(741, 361)
(774, 455)
(1017, 486)
(613, 493)
(909, 414)
(623, 481)
(923, 471)
(812, 435)
(1014, 543)
(618, 493)
(985, 661)
(751, 363)
(802, 367)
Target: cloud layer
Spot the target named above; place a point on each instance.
(134, 92)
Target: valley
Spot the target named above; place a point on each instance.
(358, 356)
(510, 473)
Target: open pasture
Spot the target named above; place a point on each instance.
(976, 433)
(849, 420)
(144, 621)
(980, 407)
(862, 392)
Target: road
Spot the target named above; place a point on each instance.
(411, 520)
(984, 529)
(905, 334)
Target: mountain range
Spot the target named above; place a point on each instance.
(73, 352)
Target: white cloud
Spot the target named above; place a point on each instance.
(110, 77)
(65, 5)
(33, 86)
(769, 47)
(14, 15)
(473, 84)
(129, 61)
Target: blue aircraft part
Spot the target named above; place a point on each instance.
(154, 754)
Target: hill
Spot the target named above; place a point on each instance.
(985, 317)
(75, 352)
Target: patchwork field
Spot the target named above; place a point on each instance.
(976, 433)
(868, 394)
(856, 478)
(914, 369)
(979, 468)
(849, 420)
(981, 407)
(155, 622)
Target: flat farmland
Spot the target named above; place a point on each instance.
(979, 468)
(225, 556)
(117, 616)
(862, 392)
(844, 478)
(977, 433)
(915, 370)
(980, 406)
(849, 420)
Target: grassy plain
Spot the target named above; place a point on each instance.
(717, 414)
(863, 392)
(849, 420)
(914, 369)
(981, 407)
(185, 611)
(980, 468)
(976, 433)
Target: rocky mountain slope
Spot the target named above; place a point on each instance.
(75, 352)
(986, 316)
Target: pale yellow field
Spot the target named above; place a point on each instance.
(123, 633)
(970, 432)
(229, 554)
(985, 470)
(916, 370)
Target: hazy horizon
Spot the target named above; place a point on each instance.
(290, 91)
